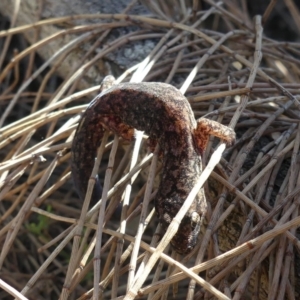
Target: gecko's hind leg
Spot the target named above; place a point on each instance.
(107, 82)
(206, 127)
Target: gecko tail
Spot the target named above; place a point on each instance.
(83, 153)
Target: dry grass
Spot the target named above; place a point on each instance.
(231, 73)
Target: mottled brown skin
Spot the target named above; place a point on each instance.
(165, 115)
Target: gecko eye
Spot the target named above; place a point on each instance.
(167, 218)
(195, 219)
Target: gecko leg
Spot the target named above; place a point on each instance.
(206, 127)
(107, 82)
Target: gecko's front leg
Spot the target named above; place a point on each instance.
(206, 127)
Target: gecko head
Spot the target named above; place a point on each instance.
(185, 239)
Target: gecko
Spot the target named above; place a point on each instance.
(165, 115)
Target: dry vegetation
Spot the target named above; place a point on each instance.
(230, 71)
